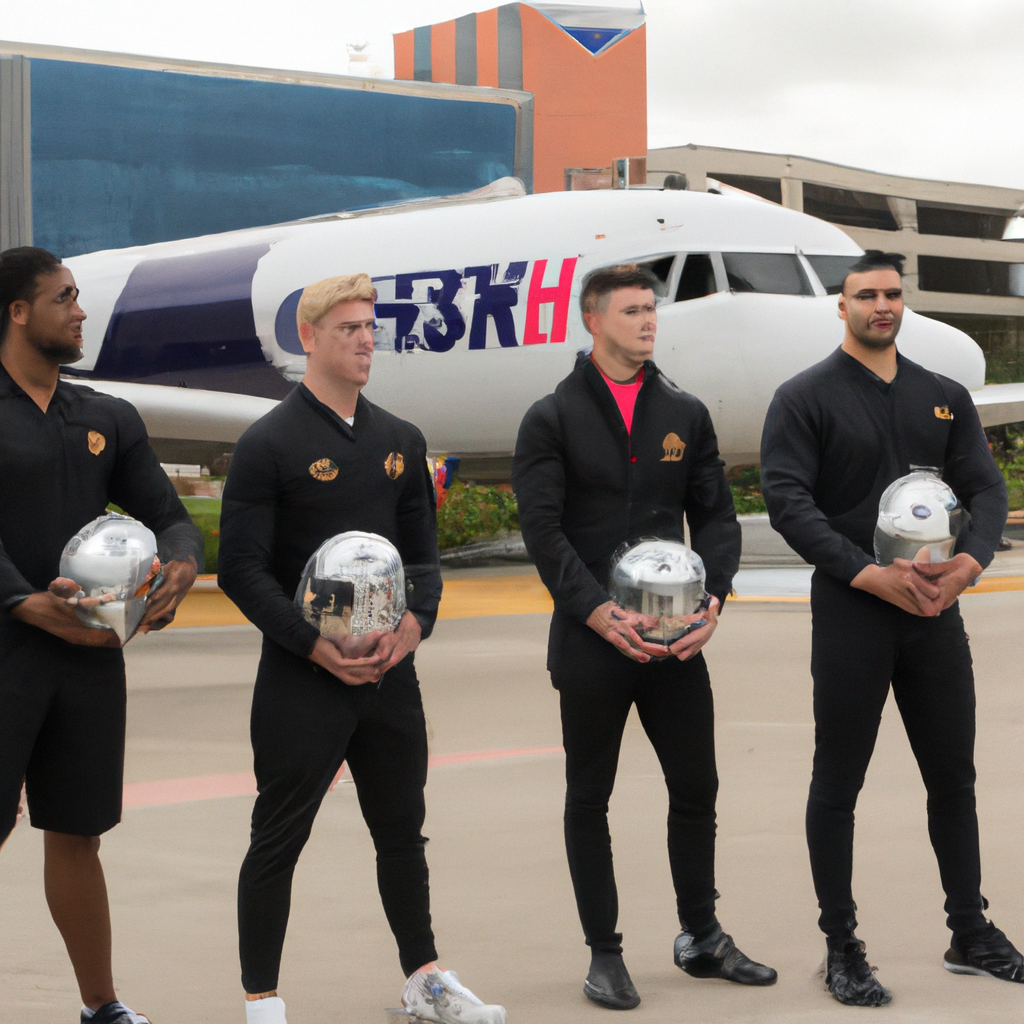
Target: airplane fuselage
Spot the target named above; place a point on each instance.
(478, 305)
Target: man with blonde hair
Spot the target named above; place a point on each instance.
(324, 462)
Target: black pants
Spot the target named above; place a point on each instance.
(304, 724)
(860, 645)
(597, 686)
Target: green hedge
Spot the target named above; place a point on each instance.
(1008, 449)
(473, 512)
(205, 513)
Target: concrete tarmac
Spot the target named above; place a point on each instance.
(502, 903)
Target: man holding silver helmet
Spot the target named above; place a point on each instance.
(616, 455)
(845, 460)
(320, 493)
(65, 453)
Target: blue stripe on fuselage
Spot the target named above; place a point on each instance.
(184, 312)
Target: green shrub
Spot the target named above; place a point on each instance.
(745, 483)
(474, 512)
(205, 513)
(1008, 450)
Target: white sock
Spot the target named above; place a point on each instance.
(265, 1011)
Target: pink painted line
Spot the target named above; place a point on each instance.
(179, 791)
(488, 755)
(212, 787)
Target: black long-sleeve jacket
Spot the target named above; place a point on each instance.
(60, 469)
(835, 437)
(585, 485)
(299, 476)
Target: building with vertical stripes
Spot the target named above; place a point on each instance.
(585, 66)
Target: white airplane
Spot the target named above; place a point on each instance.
(478, 310)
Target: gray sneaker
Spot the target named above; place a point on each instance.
(113, 1013)
(438, 997)
(988, 952)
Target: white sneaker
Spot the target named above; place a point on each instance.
(440, 998)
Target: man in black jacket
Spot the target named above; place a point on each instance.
(618, 453)
(66, 452)
(835, 437)
(324, 462)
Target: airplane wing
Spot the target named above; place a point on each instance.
(187, 414)
(999, 403)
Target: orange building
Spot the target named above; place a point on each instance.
(586, 68)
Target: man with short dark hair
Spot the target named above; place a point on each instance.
(618, 453)
(65, 453)
(324, 462)
(836, 436)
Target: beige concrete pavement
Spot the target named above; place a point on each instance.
(503, 908)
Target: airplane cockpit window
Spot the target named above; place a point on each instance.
(832, 270)
(661, 268)
(776, 273)
(697, 277)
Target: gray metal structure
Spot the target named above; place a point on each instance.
(15, 153)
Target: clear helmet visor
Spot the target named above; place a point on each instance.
(353, 584)
(919, 519)
(663, 579)
(112, 556)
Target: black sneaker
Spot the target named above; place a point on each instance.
(987, 952)
(609, 984)
(717, 957)
(850, 978)
(114, 1013)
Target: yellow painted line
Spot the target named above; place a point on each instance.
(208, 608)
(497, 595)
(494, 595)
(997, 585)
(462, 599)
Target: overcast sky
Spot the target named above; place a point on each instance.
(927, 88)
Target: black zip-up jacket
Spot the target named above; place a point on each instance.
(60, 469)
(585, 485)
(299, 476)
(836, 436)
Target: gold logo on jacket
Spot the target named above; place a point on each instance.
(323, 470)
(97, 442)
(942, 412)
(394, 465)
(674, 447)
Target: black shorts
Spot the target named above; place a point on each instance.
(62, 717)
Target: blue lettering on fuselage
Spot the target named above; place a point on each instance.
(432, 310)
(495, 301)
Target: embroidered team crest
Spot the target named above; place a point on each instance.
(97, 442)
(394, 465)
(942, 412)
(323, 470)
(674, 446)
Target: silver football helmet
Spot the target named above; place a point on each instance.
(919, 518)
(663, 579)
(353, 584)
(112, 556)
